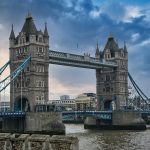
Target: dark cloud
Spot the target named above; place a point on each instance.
(71, 23)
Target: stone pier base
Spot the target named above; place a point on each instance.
(121, 120)
(34, 123)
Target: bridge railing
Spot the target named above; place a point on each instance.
(81, 58)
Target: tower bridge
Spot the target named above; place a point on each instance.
(30, 57)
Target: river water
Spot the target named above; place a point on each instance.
(109, 140)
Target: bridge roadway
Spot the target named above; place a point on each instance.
(83, 61)
(72, 115)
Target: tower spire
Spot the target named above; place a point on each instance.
(125, 47)
(12, 34)
(97, 54)
(110, 35)
(29, 15)
(46, 31)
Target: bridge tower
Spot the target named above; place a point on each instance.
(31, 87)
(112, 83)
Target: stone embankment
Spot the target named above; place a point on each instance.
(10, 141)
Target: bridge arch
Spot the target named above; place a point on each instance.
(109, 105)
(21, 104)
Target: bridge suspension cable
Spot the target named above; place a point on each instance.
(139, 91)
(4, 67)
(5, 82)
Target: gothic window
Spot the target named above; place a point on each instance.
(37, 98)
(40, 84)
(25, 49)
(16, 52)
(107, 89)
(23, 40)
(42, 97)
(20, 41)
(17, 85)
(43, 68)
(107, 78)
(40, 39)
(113, 77)
(27, 38)
(28, 69)
(103, 89)
(40, 69)
(22, 83)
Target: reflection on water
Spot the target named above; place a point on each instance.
(109, 140)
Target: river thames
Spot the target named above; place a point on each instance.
(109, 140)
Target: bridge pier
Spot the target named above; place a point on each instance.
(121, 120)
(34, 122)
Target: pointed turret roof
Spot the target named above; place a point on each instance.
(97, 49)
(12, 34)
(111, 44)
(29, 26)
(125, 47)
(45, 30)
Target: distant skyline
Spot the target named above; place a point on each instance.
(75, 26)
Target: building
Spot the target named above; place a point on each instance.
(112, 83)
(64, 105)
(31, 86)
(64, 97)
(85, 101)
(4, 106)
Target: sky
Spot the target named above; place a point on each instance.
(83, 23)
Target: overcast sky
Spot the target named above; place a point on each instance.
(83, 22)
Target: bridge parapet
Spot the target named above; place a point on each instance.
(82, 59)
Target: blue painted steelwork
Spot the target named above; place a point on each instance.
(73, 115)
(144, 98)
(4, 67)
(4, 83)
(12, 114)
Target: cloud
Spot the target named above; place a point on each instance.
(135, 37)
(82, 22)
(132, 12)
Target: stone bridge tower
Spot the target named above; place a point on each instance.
(31, 87)
(112, 83)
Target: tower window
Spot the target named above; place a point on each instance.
(107, 89)
(40, 39)
(28, 69)
(107, 78)
(37, 98)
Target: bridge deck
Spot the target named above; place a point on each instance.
(83, 61)
(12, 114)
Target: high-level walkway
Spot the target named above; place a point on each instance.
(83, 61)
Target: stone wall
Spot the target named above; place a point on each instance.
(44, 122)
(37, 142)
(126, 118)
